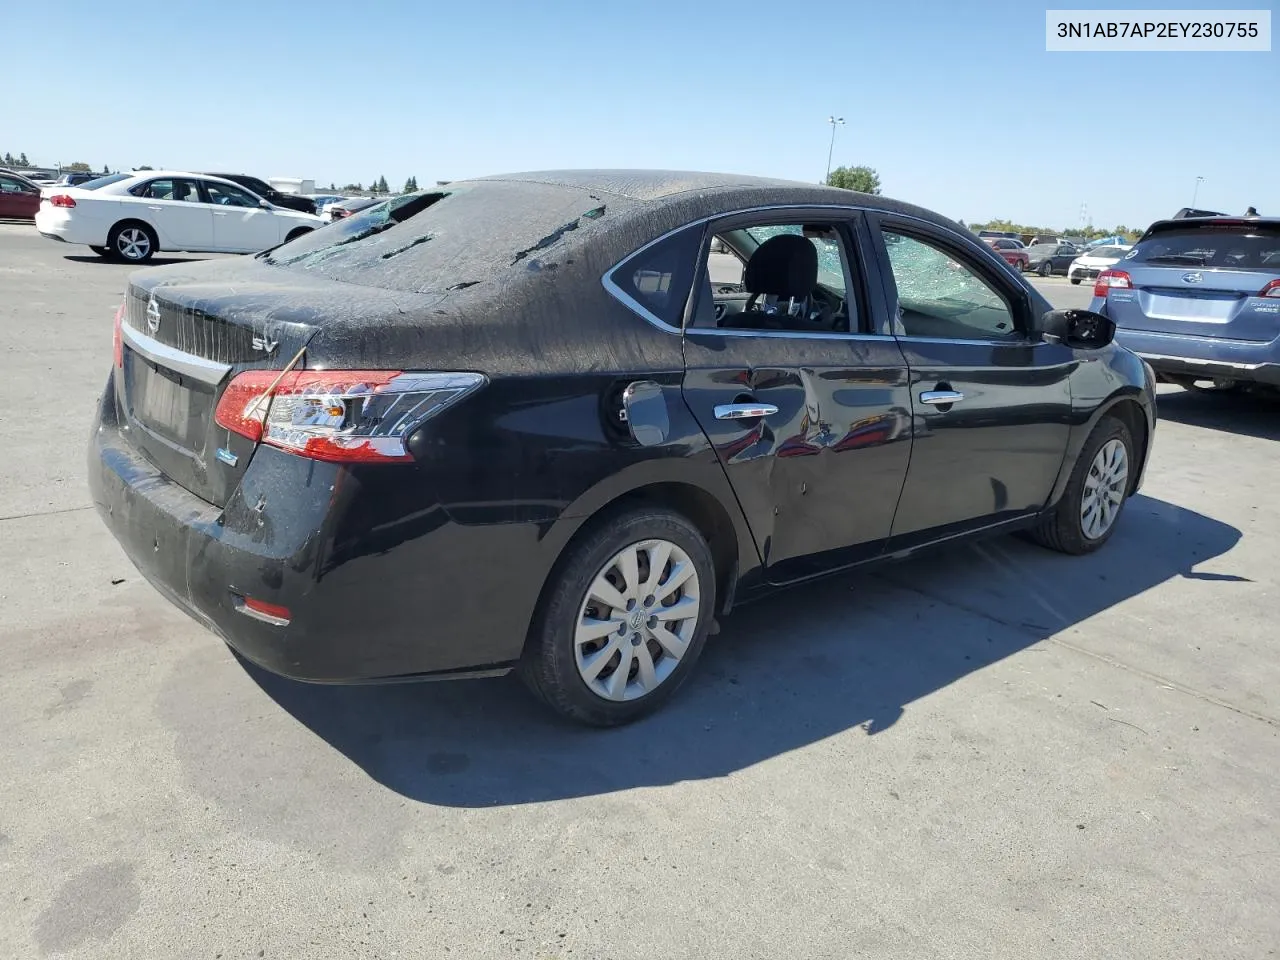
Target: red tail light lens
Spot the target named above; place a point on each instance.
(1111, 279)
(62, 200)
(344, 416)
(1271, 291)
(117, 341)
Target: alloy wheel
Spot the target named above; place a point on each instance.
(133, 243)
(637, 620)
(1104, 489)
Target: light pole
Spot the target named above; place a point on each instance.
(1196, 192)
(833, 121)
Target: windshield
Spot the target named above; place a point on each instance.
(438, 241)
(1230, 247)
(103, 181)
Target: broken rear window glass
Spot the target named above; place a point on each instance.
(450, 239)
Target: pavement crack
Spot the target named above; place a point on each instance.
(45, 513)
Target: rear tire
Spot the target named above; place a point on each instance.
(132, 242)
(1076, 281)
(1100, 480)
(1046, 268)
(594, 674)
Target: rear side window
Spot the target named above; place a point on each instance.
(1226, 247)
(659, 277)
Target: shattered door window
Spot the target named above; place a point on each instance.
(940, 297)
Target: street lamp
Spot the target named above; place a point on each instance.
(833, 121)
(1196, 192)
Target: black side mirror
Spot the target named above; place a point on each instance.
(1078, 329)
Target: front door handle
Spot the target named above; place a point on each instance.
(941, 397)
(744, 411)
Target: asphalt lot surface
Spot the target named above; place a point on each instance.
(993, 752)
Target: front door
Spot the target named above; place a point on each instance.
(177, 211)
(240, 223)
(990, 401)
(808, 411)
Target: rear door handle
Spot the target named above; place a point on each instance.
(744, 411)
(941, 397)
(219, 213)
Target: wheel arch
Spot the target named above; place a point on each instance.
(297, 232)
(1125, 405)
(136, 221)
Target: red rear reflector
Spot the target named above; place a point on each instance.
(117, 341)
(62, 200)
(1271, 291)
(1109, 279)
(271, 613)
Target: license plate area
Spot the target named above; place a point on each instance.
(173, 407)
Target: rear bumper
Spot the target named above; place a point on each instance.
(380, 585)
(1206, 358)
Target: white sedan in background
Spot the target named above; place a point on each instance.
(1092, 262)
(132, 216)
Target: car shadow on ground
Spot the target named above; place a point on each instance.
(112, 261)
(1247, 414)
(854, 650)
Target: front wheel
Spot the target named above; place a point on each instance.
(623, 619)
(1076, 281)
(1046, 268)
(1086, 516)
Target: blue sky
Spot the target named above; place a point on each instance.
(957, 105)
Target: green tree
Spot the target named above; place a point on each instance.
(411, 185)
(373, 185)
(143, 167)
(106, 170)
(22, 160)
(382, 185)
(861, 179)
(8, 159)
(78, 167)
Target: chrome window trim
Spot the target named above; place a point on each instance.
(161, 354)
(615, 291)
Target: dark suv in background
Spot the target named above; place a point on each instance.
(1199, 300)
(267, 192)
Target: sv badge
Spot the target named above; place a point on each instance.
(265, 345)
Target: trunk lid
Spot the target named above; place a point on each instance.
(1196, 302)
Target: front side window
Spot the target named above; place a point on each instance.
(181, 190)
(9, 185)
(225, 195)
(940, 297)
(778, 276)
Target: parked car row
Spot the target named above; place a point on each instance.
(133, 216)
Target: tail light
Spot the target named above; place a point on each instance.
(1271, 291)
(117, 341)
(62, 200)
(1111, 279)
(344, 416)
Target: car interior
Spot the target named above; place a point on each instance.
(776, 277)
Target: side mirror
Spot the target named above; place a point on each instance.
(1078, 329)
(265, 204)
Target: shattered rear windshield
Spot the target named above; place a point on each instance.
(448, 239)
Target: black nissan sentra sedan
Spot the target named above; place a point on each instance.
(534, 422)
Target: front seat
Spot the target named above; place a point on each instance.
(783, 268)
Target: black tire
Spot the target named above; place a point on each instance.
(1046, 268)
(549, 666)
(121, 242)
(101, 251)
(1076, 281)
(295, 234)
(1061, 529)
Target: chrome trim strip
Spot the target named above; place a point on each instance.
(161, 354)
(941, 397)
(744, 411)
(1195, 361)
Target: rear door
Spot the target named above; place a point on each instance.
(240, 223)
(1200, 280)
(807, 407)
(990, 400)
(177, 211)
